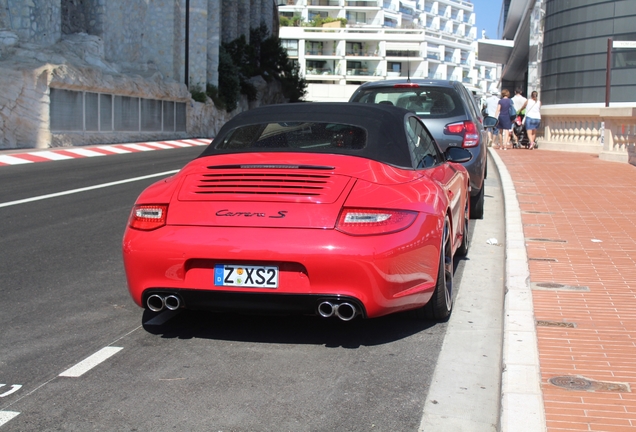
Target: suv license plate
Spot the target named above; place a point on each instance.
(246, 276)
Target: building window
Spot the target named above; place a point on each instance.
(394, 67)
(291, 46)
(357, 17)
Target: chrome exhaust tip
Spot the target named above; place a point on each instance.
(326, 309)
(172, 302)
(155, 303)
(346, 311)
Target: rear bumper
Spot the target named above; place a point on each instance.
(267, 303)
(383, 274)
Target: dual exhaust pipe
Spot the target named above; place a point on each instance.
(157, 302)
(345, 311)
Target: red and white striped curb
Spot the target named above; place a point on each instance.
(93, 151)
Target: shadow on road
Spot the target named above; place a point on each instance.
(331, 333)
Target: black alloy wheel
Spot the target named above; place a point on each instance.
(463, 247)
(440, 305)
(477, 204)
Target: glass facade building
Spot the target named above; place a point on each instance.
(575, 49)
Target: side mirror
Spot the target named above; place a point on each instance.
(458, 154)
(490, 122)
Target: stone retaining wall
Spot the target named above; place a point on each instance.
(120, 47)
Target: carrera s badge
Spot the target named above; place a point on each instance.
(226, 212)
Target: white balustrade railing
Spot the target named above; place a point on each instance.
(607, 131)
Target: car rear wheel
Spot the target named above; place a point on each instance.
(463, 248)
(440, 305)
(477, 204)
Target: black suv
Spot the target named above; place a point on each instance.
(449, 112)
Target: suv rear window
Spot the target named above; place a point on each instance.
(426, 102)
(296, 136)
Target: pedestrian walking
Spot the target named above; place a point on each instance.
(519, 101)
(503, 115)
(491, 109)
(532, 119)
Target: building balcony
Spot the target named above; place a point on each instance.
(320, 71)
(361, 3)
(335, 3)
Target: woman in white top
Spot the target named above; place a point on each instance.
(533, 117)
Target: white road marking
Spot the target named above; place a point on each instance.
(52, 155)
(114, 149)
(159, 145)
(192, 142)
(5, 416)
(13, 160)
(85, 152)
(138, 147)
(178, 144)
(84, 189)
(14, 388)
(90, 362)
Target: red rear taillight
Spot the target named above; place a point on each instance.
(373, 222)
(148, 216)
(467, 129)
(406, 85)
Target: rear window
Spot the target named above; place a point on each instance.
(426, 102)
(300, 136)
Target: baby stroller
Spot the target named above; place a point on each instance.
(519, 129)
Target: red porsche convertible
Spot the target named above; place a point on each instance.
(332, 209)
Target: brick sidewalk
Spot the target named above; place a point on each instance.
(579, 223)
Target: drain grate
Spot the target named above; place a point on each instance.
(551, 286)
(535, 225)
(545, 240)
(571, 382)
(562, 324)
(543, 259)
(536, 212)
(526, 202)
(578, 383)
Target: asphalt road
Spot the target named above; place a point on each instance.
(64, 299)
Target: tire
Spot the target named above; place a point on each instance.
(477, 204)
(463, 247)
(440, 305)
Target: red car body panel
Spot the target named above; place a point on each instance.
(386, 273)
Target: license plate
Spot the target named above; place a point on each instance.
(246, 276)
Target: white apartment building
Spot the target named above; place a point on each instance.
(383, 39)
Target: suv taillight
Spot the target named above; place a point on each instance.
(467, 129)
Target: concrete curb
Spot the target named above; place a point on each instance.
(522, 407)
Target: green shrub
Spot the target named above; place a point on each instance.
(213, 93)
(198, 94)
(264, 56)
(319, 21)
(229, 82)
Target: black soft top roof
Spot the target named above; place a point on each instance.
(384, 124)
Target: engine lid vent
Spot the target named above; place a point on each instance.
(279, 183)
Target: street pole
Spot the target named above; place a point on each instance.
(187, 43)
(608, 72)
